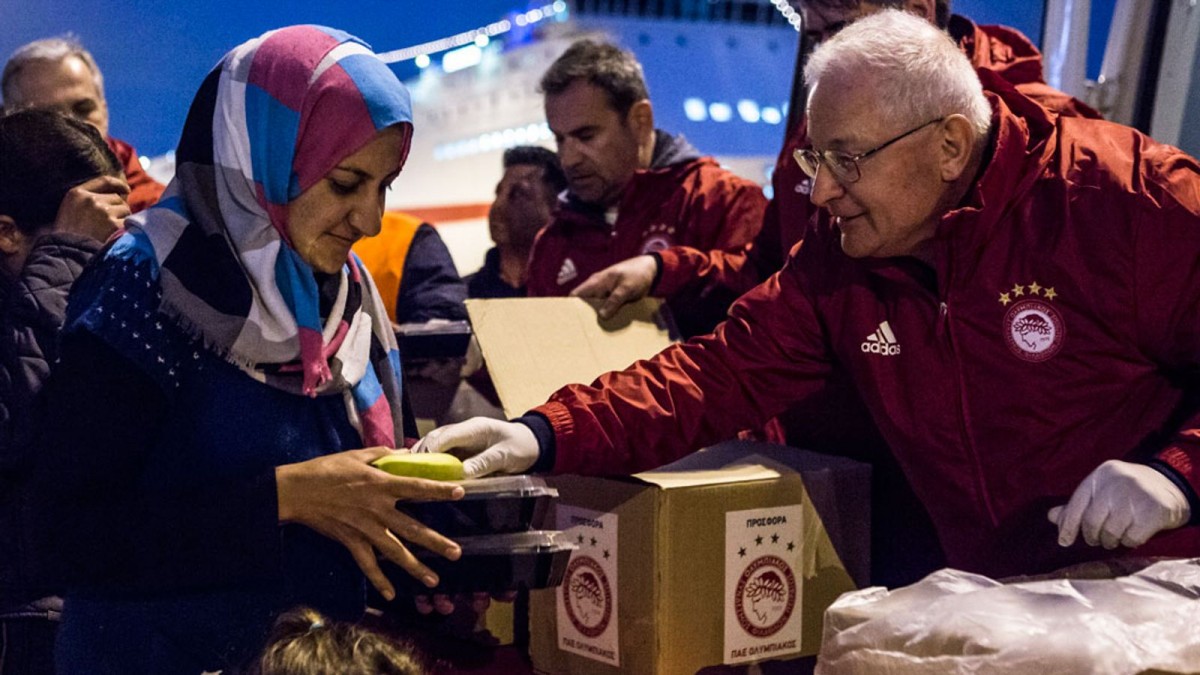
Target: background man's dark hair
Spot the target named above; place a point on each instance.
(43, 154)
(941, 8)
(536, 155)
(602, 65)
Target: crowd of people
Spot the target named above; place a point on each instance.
(965, 277)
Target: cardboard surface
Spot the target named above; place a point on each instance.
(680, 579)
(534, 346)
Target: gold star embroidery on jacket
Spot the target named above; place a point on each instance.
(1018, 290)
(1050, 294)
(1004, 299)
(1034, 288)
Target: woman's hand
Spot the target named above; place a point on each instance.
(344, 498)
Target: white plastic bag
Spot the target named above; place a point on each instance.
(955, 622)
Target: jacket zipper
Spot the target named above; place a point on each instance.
(943, 328)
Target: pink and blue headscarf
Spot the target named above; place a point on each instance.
(276, 115)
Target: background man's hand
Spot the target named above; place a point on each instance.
(1120, 504)
(620, 284)
(486, 445)
(346, 499)
(94, 209)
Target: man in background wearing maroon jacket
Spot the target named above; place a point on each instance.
(631, 189)
(1014, 294)
(59, 74)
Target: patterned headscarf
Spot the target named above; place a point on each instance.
(276, 115)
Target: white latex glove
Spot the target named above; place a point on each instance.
(1121, 503)
(620, 284)
(486, 446)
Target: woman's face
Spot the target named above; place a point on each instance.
(347, 204)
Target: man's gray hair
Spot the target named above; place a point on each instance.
(917, 70)
(50, 49)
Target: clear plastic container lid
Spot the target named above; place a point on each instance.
(506, 487)
(516, 543)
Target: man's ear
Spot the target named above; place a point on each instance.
(11, 237)
(641, 120)
(926, 9)
(956, 142)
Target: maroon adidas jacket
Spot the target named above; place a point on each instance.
(682, 199)
(1003, 51)
(1059, 327)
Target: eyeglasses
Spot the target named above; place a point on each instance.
(843, 165)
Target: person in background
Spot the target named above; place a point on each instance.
(525, 199)
(306, 642)
(904, 543)
(974, 255)
(631, 189)
(61, 197)
(414, 271)
(59, 74)
(257, 377)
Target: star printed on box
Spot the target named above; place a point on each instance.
(1019, 290)
(762, 540)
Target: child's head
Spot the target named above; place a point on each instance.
(303, 642)
(44, 154)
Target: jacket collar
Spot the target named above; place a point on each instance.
(998, 48)
(1023, 139)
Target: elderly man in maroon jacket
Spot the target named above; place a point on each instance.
(903, 546)
(59, 74)
(1014, 294)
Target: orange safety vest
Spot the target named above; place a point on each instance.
(385, 253)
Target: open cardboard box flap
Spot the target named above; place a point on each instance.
(534, 346)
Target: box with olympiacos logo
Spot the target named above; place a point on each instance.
(726, 558)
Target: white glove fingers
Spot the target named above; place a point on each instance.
(483, 464)
(1054, 515)
(1093, 522)
(1072, 514)
(1138, 534)
(1111, 531)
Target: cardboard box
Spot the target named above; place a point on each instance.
(534, 346)
(728, 556)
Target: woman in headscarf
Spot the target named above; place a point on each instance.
(228, 372)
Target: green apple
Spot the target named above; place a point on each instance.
(431, 465)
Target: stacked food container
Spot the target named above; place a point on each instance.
(496, 524)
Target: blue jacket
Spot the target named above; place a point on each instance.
(157, 497)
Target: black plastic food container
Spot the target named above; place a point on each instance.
(490, 506)
(494, 563)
